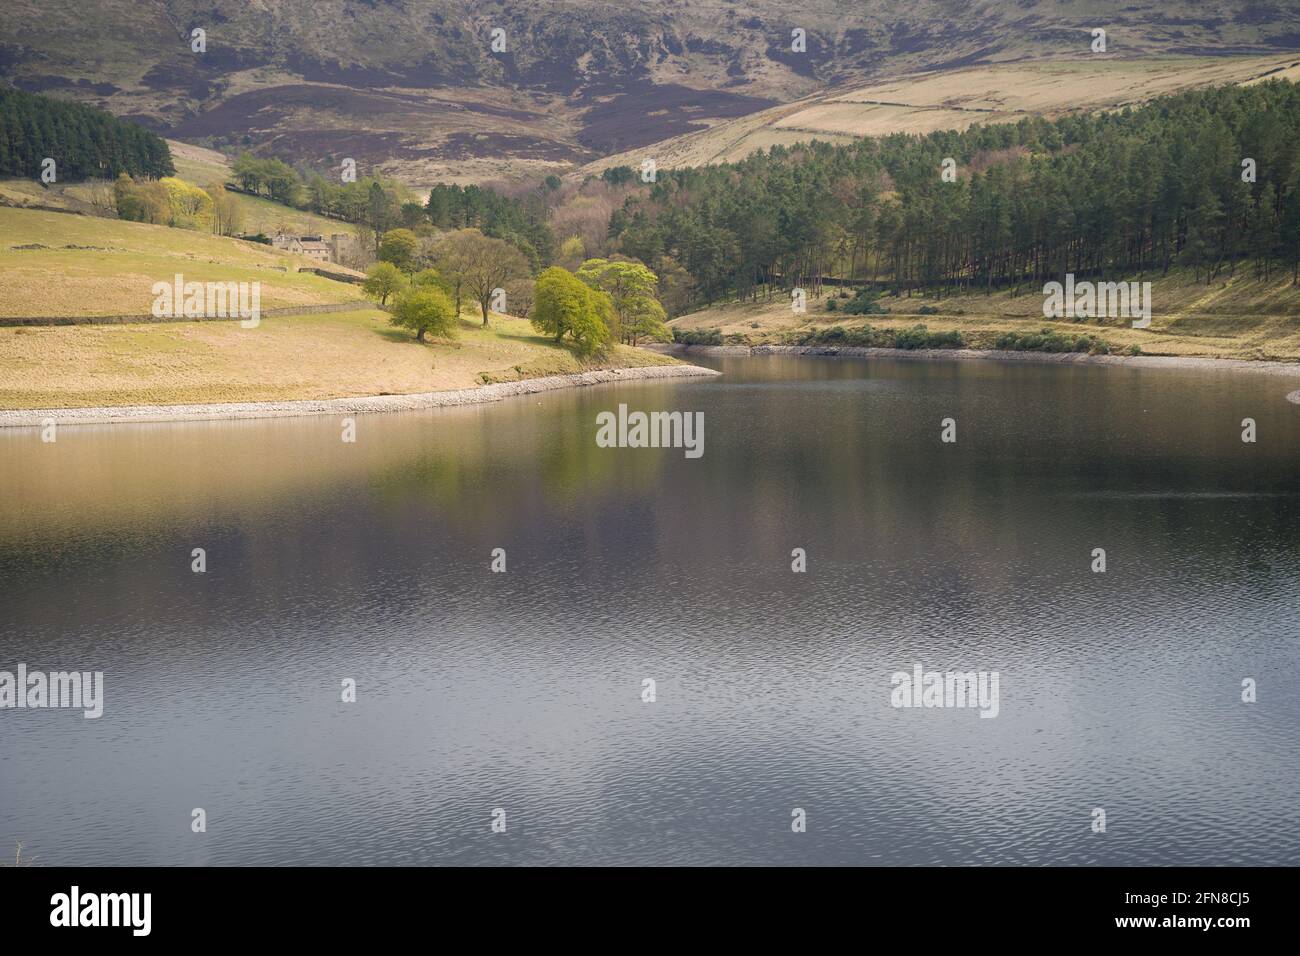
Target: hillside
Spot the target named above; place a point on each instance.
(55, 264)
(414, 88)
(58, 264)
(193, 164)
(337, 355)
(259, 214)
(956, 99)
(1242, 317)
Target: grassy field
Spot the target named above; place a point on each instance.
(1240, 318)
(82, 265)
(956, 99)
(89, 266)
(336, 355)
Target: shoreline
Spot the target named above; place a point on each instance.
(227, 411)
(483, 394)
(1052, 358)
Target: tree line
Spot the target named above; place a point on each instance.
(1208, 179)
(522, 222)
(381, 205)
(84, 142)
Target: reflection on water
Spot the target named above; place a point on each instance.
(522, 690)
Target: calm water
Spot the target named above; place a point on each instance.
(522, 690)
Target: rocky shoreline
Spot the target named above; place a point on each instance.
(29, 418)
(1055, 358)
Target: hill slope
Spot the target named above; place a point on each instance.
(54, 264)
(1241, 317)
(414, 87)
(956, 99)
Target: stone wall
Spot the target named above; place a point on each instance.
(15, 320)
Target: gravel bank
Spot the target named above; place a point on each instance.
(943, 355)
(339, 406)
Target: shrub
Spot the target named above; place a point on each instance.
(919, 337)
(863, 336)
(865, 302)
(697, 336)
(1046, 340)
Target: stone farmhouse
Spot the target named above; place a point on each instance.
(314, 247)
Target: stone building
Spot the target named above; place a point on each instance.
(315, 247)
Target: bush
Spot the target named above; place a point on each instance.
(830, 305)
(919, 337)
(864, 336)
(697, 336)
(1045, 340)
(927, 310)
(865, 302)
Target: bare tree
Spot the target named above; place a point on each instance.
(478, 265)
(519, 297)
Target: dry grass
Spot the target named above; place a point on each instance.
(19, 859)
(1241, 318)
(336, 355)
(93, 266)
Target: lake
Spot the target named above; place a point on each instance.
(371, 561)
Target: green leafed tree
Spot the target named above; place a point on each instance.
(399, 246)
(382, 280)
(637, 313)
(564, 306)
(425, 311)
(432, 279)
